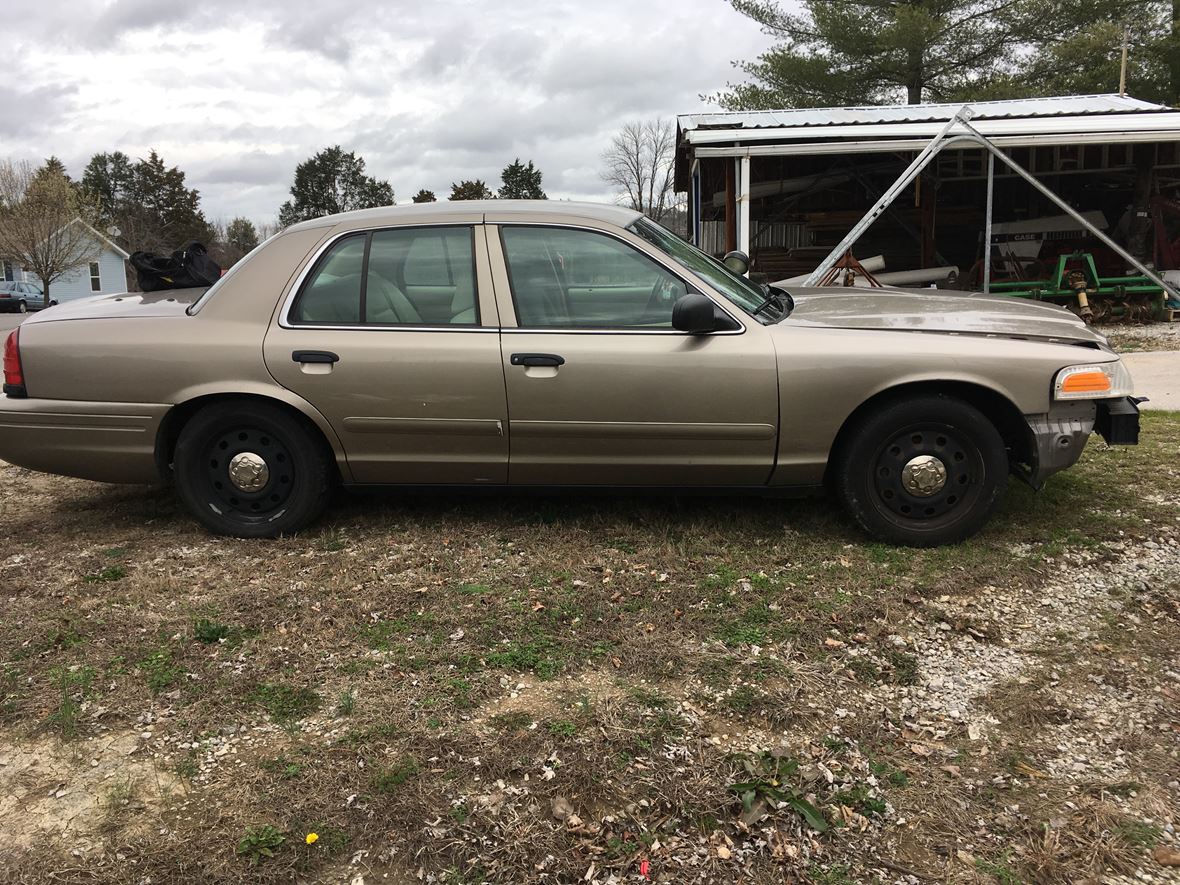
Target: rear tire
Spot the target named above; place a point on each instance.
(22, 308)
(922, 472)
(252, 470)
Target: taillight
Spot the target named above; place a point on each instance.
(14, 375)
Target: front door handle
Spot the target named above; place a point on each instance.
(536, 359)
(315, 356)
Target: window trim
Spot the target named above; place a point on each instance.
(689, 285)
(310, 267)
(95, 276)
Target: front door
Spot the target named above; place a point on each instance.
(393, 335)
(602, 389)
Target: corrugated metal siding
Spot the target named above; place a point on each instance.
(782, 235)
(1068, 105)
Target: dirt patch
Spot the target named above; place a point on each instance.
(79, 796)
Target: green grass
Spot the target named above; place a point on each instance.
(107, 575)
(390, 778)
(159, 670)
(72, 685)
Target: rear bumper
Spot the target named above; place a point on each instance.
(1059, 436)
(108, 442)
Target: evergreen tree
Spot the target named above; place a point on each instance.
(521, 182)
(470, 190)
(425, 196)
(855, 52)
(241, 235)
(332, 181)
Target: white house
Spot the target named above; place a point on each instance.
(106, 273)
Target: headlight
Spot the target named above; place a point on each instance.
(1098, 381)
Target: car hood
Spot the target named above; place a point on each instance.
(168, 302)
(931, 310)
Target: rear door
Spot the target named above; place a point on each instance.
(393, 335)
(602, 390)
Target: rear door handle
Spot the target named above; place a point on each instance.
(315, 356)
(536, 359)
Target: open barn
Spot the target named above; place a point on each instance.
(785, 186)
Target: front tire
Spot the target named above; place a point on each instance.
(252, 470)
(22, 308)
(922, 472)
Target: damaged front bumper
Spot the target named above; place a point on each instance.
(1058, 437)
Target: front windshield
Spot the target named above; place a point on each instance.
(734, 287)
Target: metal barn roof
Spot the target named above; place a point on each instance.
(1064, 119)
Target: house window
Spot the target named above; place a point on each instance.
(95, 280)
(8, 271)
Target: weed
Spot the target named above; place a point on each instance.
(539, 655)
(159, 671)
(285, 703)
(836, 874)
(999, 866)
(210, 632)
(260, 842)
(346, 703)
(737, 633)
(894, 776)
(387, 779)
(860, 798)
(282, 767)
(561, 728)
(743, 699)
(107, 575)
(73, 685)
(187, 768)
(517, 720)
(904, 667)
(1136, 833)
(770, 779)
(473, 589)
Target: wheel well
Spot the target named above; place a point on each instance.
(180, 414)
(997, 408)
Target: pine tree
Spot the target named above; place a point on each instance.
(424, 196)
(474, 189)
(521, 182)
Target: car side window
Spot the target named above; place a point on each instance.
(332, 294)
(401, 276)
(573, 278)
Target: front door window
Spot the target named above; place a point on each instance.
(572, 278)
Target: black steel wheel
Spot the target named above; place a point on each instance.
(252, 470)
(922, 472)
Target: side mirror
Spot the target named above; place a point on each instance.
(738, 262)
(695, 314)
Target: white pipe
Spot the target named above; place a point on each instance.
(987, 225)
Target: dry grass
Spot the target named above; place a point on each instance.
(420, 680)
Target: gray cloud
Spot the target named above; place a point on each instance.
(237, 93)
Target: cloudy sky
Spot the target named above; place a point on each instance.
(237, 92)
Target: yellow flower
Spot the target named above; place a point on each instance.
(311, 838)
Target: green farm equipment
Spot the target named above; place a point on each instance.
(1076, 283)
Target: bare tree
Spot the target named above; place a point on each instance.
(639, 165)
(44, 222)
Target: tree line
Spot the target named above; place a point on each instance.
(831, 53)
(334, 180)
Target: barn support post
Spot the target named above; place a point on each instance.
(987, 225)
(744, 206)
(730, 205)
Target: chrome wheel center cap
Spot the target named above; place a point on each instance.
(923, 476)
(248, 472)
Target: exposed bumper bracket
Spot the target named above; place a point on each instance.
(1118, 420)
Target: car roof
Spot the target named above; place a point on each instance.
(441, 211)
